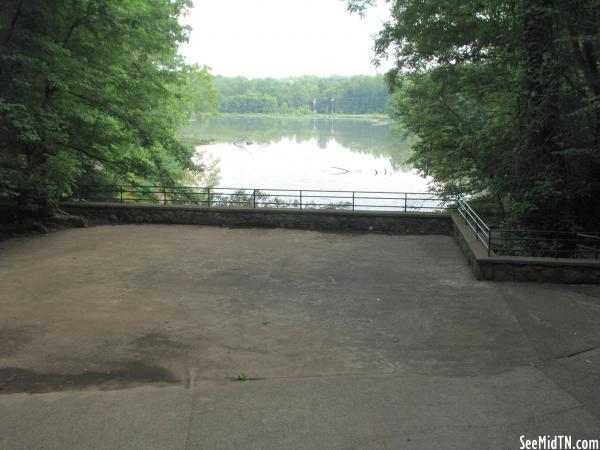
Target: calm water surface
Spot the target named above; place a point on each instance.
(305, 153)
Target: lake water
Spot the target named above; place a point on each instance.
(304, 153)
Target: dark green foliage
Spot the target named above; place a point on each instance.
(89, 91)
(251, 102)
(359, 94)
(504, 96)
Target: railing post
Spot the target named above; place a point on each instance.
(405, 201)
(489, 242)
(254, 198)
(352, 200)
(208, 197)
(300, 199)
(164, 196)
(121, 193)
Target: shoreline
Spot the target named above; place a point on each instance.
(371, 117)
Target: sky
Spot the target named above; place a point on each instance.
(280, 38)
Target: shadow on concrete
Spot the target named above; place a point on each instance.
(125, 375)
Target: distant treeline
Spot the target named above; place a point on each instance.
(361, 94)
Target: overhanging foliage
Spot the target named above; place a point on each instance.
(505, 98)
(91, 89)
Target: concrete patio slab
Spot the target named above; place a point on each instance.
(132, 336)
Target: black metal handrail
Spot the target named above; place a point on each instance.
(546, 243)
(497, 241)
(264, 198)
(527, 242)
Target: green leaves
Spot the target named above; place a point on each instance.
(94, 86)
(360, 94)
(503, 98)
(198, 95)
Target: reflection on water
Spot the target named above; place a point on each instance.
(306, 152)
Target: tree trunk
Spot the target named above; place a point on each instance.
(540, 166)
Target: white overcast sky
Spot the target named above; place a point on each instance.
(279, 38)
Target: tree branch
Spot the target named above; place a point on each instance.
(70, 32)
(588, 70)
(87, 153)
(13, 22)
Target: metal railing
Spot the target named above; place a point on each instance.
(496, 241)
(544, 243)
(265, 198)
(555, 244)
(482, 231)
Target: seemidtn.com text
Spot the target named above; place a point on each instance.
(559, 442)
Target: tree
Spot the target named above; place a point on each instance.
(199, 95)
(504, 96)
(89, 90)
(353, 95)
(250, 102)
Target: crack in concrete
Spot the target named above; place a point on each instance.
(581, 352)
(190, 418)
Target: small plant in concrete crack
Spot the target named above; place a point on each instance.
(241, 376)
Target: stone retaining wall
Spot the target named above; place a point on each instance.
(394, 223)
(517, 268)
(496, 268)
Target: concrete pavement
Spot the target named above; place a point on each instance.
(132, 336)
